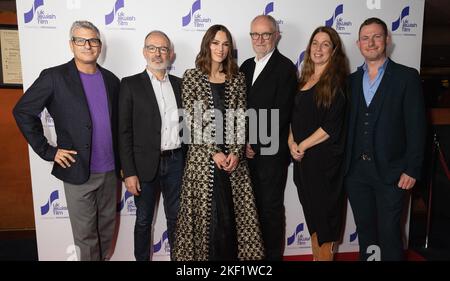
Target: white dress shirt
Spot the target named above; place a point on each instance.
(167, 104)
(260, 64)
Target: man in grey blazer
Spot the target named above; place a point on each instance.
(149, 140)
(81, 97)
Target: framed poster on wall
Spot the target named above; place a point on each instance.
(10, 70)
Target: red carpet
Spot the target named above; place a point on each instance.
(353, 256)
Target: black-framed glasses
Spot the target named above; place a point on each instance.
(80, 41)
(265, 35)
(153, 49)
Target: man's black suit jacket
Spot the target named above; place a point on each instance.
(274, 88)
(60, 90)
(400, 124)
(140, 125)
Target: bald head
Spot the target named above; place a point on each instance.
(267, 19)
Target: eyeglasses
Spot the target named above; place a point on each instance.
(265, 35)
(93, 42)
(153, 49)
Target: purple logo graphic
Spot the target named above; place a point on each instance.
(199, 22)
(291, 239)
(52, 202)
(53, 196)
(353, 236)
(158, 246)
(196, 6)
(130, 206)
(403, 22)
(268, 9)
(300, 59)
(339, 10)
(338, 21)
(41, 17)
(109, 18)
(404, 13)
(28, 16)
(122, 18)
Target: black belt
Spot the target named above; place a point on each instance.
(365, 157)
(170, 152)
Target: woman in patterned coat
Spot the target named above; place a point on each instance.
(217, 219)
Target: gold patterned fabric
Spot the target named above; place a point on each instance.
(192, 231)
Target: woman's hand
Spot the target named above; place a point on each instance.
(232, 161)
(296, 152)
(220, 159)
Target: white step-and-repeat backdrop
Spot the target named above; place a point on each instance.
(44, 42)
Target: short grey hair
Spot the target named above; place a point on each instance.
(84, 24)
(270, 19)
(160, 33)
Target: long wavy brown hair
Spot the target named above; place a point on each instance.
(333, 78)
(203, 59)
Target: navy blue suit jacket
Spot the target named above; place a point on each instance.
(400, 123)
(60, 90)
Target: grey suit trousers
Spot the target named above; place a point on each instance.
(92, 213)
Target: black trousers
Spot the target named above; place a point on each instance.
(269, 174)
(222, 232)
(377, 208)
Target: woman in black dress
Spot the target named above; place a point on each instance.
(316, 140)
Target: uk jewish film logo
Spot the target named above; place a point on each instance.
(194, 20)
(299, 62)
(118, 18)
(299, 239)
(126, 206)
(54, 207)
(38, 16)
(338, 22)
(353, 238)
(162, 247)
(269, 9)
(46, 119)
(403, 25)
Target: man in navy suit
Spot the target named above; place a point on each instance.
(81, 97)
(271, 85)
(385, 146)
(149, 140)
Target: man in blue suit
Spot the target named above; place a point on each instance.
(385, 146)
(82, 98)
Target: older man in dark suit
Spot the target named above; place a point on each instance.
(385, 146)
(81, 97)
(149, 140)
(271, 84)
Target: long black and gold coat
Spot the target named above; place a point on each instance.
(192, 231)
